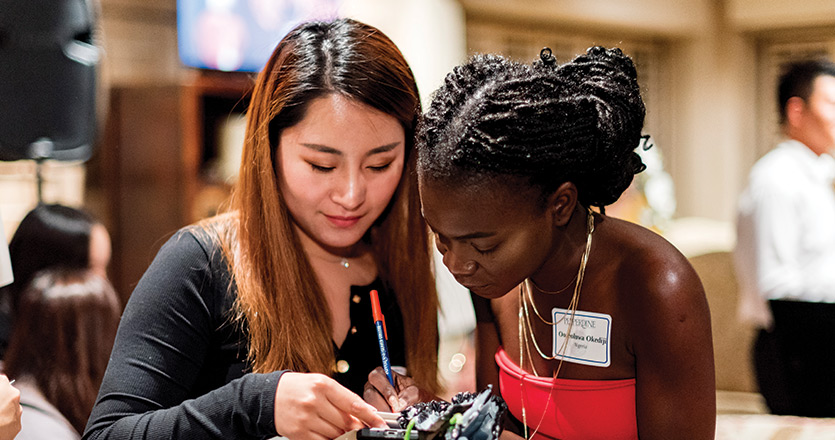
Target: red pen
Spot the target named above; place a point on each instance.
(382, 334)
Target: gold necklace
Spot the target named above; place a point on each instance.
(526, 331)
(583, 261)
(531, 282)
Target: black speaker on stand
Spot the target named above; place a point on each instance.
(48, 64)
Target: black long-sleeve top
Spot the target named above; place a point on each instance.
(178, 369)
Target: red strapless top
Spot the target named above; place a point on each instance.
(569, 408)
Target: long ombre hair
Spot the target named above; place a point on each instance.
(279, 300)
(63, 336)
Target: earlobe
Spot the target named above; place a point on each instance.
(561, 203)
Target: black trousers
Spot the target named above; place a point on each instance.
(795, 361)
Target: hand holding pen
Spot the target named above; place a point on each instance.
(382, 335)
(390, 391)
(397, 390)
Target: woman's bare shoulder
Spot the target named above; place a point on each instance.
(648, 266)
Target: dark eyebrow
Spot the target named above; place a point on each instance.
(334, 151)
(383, 149)
(470, 236)
(323, 149)
(474, 235)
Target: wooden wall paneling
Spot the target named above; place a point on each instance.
(151, 171)
(209, 99)
(144, 173)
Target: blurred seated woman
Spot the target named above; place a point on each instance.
(50, 235)
(59, 350)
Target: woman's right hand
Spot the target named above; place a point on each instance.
(314, 406)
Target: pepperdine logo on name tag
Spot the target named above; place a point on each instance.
(588, 343)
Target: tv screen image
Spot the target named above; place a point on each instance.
(240, 35)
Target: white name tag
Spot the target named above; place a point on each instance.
(588, 343)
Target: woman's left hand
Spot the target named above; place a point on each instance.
(385, 397)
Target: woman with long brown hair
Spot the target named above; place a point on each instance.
(58, 352)
(258, 322)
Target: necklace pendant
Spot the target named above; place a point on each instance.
(344, 262)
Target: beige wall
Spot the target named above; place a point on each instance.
(713, 90)
(711, 77)
(719, 138)
(669, 17)
(430, 33)
(764, 14)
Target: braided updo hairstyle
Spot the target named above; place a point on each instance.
(579, 122)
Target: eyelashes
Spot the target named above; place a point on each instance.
(380, 168)
(485, 251)
(320, 168)
(326, 169)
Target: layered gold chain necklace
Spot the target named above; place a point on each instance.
(526, 335)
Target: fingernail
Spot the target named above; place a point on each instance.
(403, 404)
(394, 403)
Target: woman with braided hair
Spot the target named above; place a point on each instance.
(591, 327)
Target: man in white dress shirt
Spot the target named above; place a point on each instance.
(786, 247)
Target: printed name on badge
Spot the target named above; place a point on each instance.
(588, 343)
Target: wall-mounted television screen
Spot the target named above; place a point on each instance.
(240, 35)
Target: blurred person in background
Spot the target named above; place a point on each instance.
(67, 320)
(50, 235)
(785, 253)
